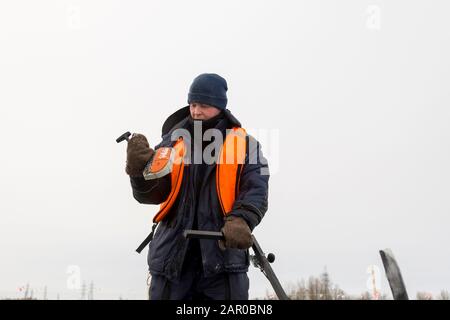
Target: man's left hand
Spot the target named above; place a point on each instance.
(237, 234)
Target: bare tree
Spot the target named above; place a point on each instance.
(444, 295)
(299, 291)
(424, 296)
(91, 291)
(365, 296)
(83, 291)
(27, 291)
(338, 294)
(325, 286)
(317, 288)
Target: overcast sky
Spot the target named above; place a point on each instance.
(354, 96)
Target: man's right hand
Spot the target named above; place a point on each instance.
(138, 154)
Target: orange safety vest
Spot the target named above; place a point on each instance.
(228, 170)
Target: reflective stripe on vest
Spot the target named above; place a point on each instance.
(229, 167)
(176, 178)
(228, 170)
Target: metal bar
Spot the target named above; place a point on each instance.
(213, 235)
(267, 270)
(263, 263)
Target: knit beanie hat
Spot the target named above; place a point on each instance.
(209, 88)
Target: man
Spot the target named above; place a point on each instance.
(193, 269)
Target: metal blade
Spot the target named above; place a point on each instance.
(394, 275)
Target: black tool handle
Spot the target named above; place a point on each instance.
(199, 234)
(123, 137)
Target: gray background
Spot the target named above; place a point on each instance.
(360, 102)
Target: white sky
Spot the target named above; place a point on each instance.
(361, 106)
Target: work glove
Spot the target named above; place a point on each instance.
(237, 234)
(138, 154)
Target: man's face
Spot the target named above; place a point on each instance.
(201, 111)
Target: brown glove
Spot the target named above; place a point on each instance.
(237, 234)
(138, 154)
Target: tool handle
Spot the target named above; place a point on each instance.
(123, 137)
(199, 234)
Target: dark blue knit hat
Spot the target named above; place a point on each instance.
(209, 88)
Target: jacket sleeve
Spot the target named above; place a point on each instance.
(252, 200)
(150, 191)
